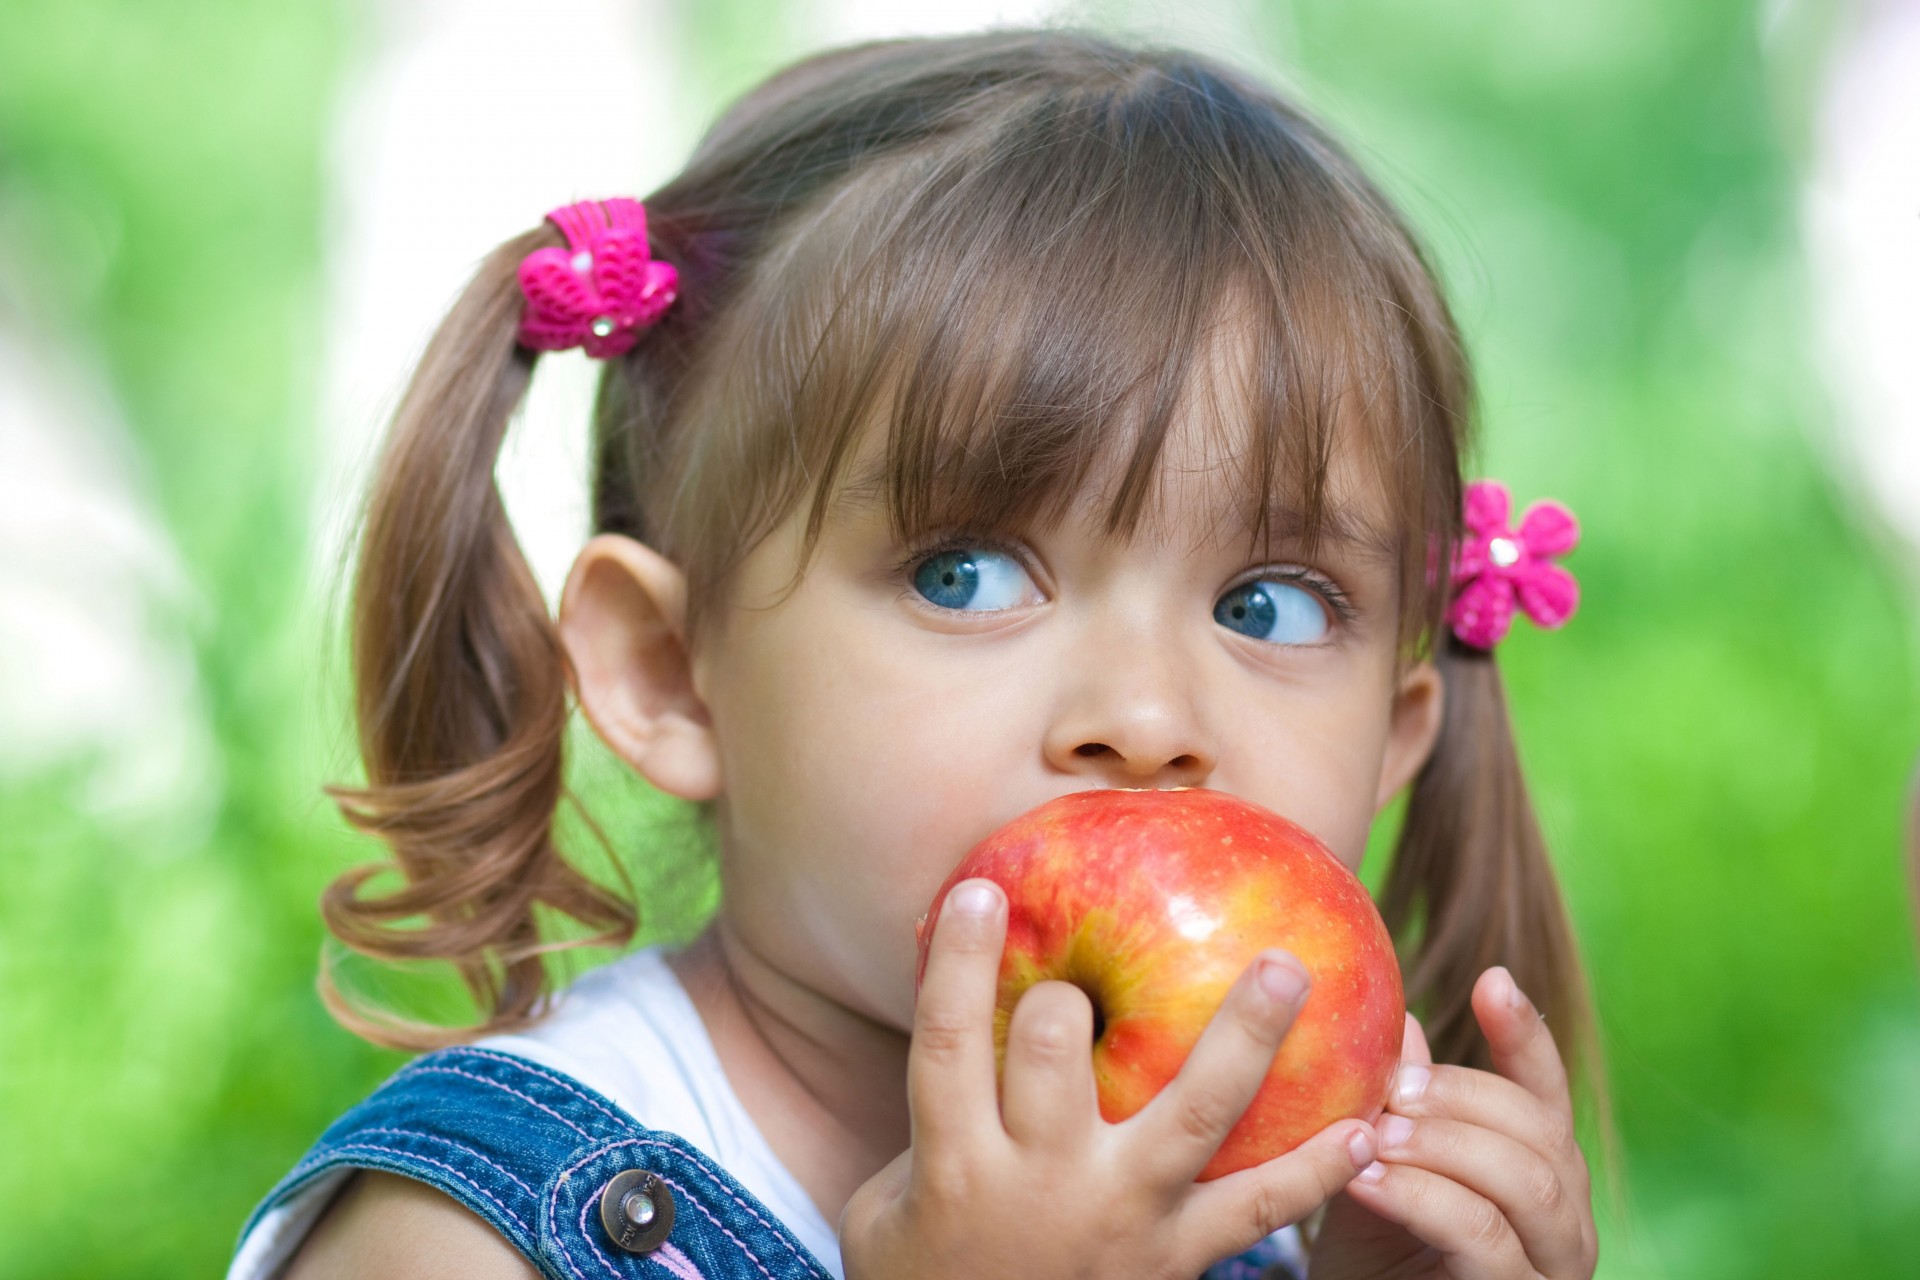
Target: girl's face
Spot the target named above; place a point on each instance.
(872, 724)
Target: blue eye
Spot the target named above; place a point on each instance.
(1278, 612)
(972, 578)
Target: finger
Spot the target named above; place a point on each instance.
(1475, 1238)
(1491, 1102)
(1413, 1043)
(950, 1061)
(874, 1195)
(1047, 1097)
(1179, 1130)
(1546, 1214)
(1523, 1048)
(1232, 1213)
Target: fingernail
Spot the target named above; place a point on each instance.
(1372, 1173)
(1283, 983)
(1394, 1132)
(1411, 1084)
(1360, 1145)
(974, 898)
(1516, 998)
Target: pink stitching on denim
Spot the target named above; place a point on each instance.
(409, 1155)
(553, 1199)
(667, 1255)
(463, 1148)
(586, 1233)
(694, 1158)
(738, 1242)
(529, 1067)
(677, 1262)
(468, 1075)
(624, 1121)
(599, 1253)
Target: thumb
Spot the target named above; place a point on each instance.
(1413, 1044)
(876, 1193)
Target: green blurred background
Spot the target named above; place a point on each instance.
(1720, 743)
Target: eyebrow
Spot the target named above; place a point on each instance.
(1337, 528)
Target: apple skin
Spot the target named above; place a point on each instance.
(1153, 903)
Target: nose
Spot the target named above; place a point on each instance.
(1128, 715)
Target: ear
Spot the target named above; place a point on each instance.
(1418, 705)
(623, 620)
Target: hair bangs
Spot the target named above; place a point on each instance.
(994, 327)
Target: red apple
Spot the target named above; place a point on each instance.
(1153, 903)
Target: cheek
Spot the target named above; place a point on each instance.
(856, 772)
(1316, 762)
(849, 747)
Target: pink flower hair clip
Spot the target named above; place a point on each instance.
(1496, 566)
(600, 290)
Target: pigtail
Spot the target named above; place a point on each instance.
(460, 695)
(1471, 886)
(1471, 882)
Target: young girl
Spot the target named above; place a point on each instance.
(983, 419)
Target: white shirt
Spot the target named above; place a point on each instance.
(630, 1031)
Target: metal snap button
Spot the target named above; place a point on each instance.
(636, 1208)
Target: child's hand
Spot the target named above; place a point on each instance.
(1038, 1186)
(1484, 1180)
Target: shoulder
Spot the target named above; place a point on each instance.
(386, 1225)
(508, 1168)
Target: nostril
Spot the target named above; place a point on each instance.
(1091, 749)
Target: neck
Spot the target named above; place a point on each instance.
(825, 1084)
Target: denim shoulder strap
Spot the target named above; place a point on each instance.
(560, 1171)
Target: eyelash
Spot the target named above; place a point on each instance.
(1329, 591)
(961, 541)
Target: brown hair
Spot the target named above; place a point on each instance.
(1011, 250)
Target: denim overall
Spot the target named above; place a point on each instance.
(575, 1183)
(540, 1157)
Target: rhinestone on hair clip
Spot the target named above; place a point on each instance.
(1496, 566)
(599, 291)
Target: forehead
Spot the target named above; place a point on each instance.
(1192, 507)
(1207, 477)
(1199, 494)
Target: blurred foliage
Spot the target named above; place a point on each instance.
(1719, 744)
